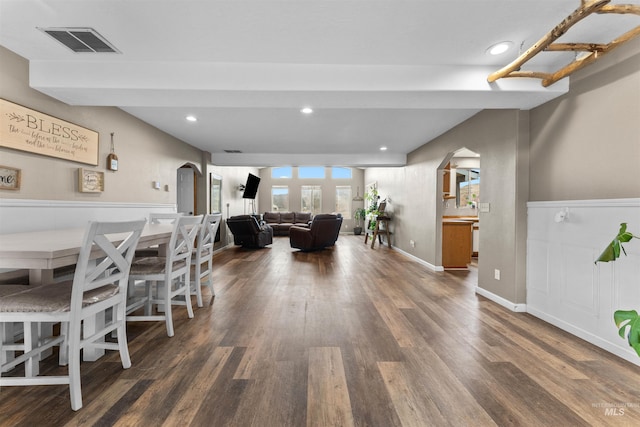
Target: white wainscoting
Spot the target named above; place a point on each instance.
(20, 215)
(564, 285)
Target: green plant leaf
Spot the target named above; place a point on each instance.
(622, 318)
(628, 323)
(612, 251)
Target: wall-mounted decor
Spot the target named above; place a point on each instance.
(28, 130)
(90, 181)
(9, 178)
(112, 159)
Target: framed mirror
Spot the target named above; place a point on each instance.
(215, 203)
(216, 194)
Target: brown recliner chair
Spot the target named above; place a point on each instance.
(248, 233)
(323, 232)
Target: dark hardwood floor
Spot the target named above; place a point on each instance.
(345, 336)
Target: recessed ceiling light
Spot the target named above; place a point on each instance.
(499, 48)
(191, 118)
(306, 110)
(383, 148)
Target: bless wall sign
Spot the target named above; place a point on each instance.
(27, 130)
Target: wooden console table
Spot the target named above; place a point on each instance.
(379, 220)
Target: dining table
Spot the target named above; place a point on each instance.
(40, 252)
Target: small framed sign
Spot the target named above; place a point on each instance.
(90, 181)
(9, 178)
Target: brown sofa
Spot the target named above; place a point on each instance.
(323, 233)
(248, 232)
(281, 222)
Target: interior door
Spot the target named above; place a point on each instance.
(185, 189)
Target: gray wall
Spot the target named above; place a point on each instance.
(501, 139)
(586, 144)
(145, 154)
(232, 201)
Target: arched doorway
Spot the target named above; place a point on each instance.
(187, 189)
(460, 189)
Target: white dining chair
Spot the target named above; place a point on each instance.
(203, 256)
(98, 285)
(157, 218)
(165, 277)
(9, 330)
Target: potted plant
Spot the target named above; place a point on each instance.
(627, 321)
(372, 212)
(359, 215)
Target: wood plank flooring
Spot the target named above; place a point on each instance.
(349, 336)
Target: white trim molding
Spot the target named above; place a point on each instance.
(23, 215)
(520, 308)
(565, 286)
(420, 261)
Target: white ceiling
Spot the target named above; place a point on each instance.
(377, 73)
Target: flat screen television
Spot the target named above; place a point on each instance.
(251, 187)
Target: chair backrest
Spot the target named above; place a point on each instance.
(207, 233)
(182, 239)
(243, 225)
(114, 244)
(163, 218)
(325, 229)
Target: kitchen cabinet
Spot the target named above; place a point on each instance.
(456, 243)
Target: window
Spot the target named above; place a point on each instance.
(311, 172)
(311, 199)
(283, 172)
(343, 200)
(279, 198)
(340, 173)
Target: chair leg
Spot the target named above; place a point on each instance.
(30, 333)
(122, 337)
(168, 313)
(148, 291)
(197, 284)
(187, 294)
(75, 390)
(63, 356)
(210, 278)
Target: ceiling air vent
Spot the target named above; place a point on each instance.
(81, 40)
(233, 151)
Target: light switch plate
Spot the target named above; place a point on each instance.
(484, 206)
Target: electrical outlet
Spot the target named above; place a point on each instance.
(412, 243)
(496, 274)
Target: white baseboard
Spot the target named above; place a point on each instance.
(625, 353)
(520, 308)
(223, 248)
(420, 261)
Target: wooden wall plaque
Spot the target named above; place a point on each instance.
(9, 178)
(24, 129)
(90, 181)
